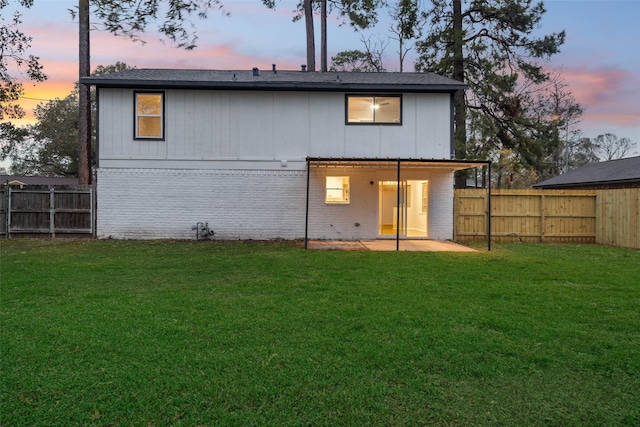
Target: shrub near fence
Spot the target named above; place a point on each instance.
(34, 211)
(610, 217)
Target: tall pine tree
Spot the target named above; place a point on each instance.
(358, 13)
(490, 45)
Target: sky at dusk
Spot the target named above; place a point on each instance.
(600, 60)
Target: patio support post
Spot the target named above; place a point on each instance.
(398, 211)
(306, 219)
(489, 210)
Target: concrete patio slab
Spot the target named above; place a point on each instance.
(389, 245)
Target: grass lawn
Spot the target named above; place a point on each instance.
(231, 333)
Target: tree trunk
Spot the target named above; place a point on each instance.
(460, 107)
(311, 45)
(323, 36)
(400, 42)
(84, 118)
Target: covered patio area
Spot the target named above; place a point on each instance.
(383, 204)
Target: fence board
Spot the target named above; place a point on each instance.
(609, 217)
(471, 219)
(618, 214)
(3, 212)
(553, 216)
(33, 211)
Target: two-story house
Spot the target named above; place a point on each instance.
(275, 154)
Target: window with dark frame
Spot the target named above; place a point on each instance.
(149, 115)
(374, 109)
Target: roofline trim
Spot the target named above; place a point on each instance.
(273, 86)
(587, 183)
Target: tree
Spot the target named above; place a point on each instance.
(310, 35)
(581, 152)
(609, 147)
(323, 35)
(489, 45)
(406, 26)
(50, 147)
(130, 18)
(407, 20)
(549, 120)
(356, 61)
(558, 107)
(368, 60)
(508, 172)
(360, 14)
(14, 45)
(543, 133)
(84, 102)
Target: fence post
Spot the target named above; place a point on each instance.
(92, 207)
(489, 210)
(8, 211)
(52, 213)
(542, 218)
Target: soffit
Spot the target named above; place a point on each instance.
(392, 164)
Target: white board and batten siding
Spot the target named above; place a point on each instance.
(219, 126)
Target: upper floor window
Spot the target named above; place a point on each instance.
(149, 120)
(367, 109)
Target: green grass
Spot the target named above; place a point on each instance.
(220, 333)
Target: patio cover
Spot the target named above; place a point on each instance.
(397, 164)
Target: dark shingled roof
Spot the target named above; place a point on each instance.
(280, 80)
(37, 180)
(613, 172)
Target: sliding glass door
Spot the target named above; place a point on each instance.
(403, 208)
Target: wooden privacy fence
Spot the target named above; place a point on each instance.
(610, 217)
(35, 211)
(618, 214)
(551, 216)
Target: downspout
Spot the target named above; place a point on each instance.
(398, 211)
(452, 128)
(306, 219)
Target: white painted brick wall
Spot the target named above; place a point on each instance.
(335, 221)
(165, 203)
(441, 206)
(249, 204)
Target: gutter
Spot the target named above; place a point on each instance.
(270, 86)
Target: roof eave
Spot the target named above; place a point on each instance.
(586, 184)
(272, 86)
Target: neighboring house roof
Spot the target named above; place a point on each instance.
(276, 80)
(20, 180)
(612, 173)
